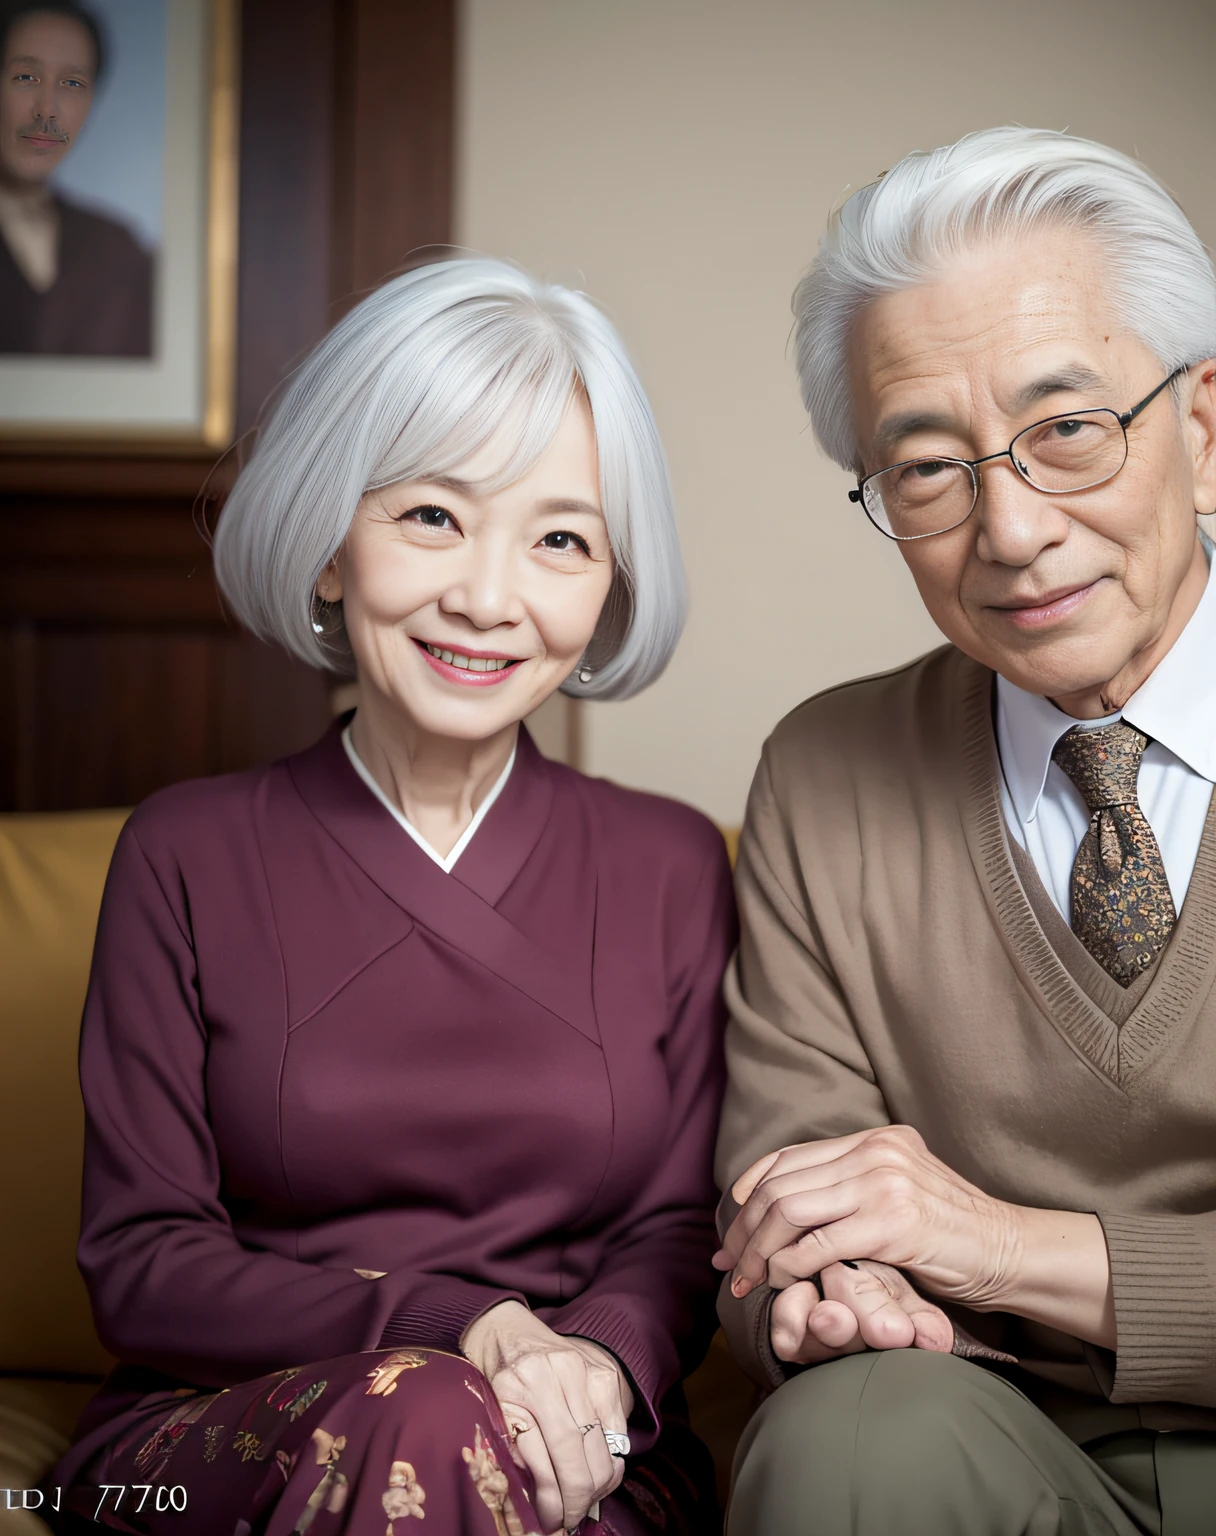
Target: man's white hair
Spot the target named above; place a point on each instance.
(1001, 184)
(408, 386)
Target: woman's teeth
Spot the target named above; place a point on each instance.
(467, 663)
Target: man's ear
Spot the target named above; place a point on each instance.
(1201, 425)
(329, 583)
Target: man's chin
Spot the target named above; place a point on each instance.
(1059, 672)
(32, 167)
(1071, 658)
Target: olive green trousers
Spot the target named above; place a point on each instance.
(909, 1443)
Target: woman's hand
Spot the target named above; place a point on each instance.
(558, 1396)
(863, 1306)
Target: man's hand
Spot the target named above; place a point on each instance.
(866, 1306)
(558, 1396)
(877, 1194)
(882, 1195)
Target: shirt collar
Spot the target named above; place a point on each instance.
(1176, 705)
(1027, 729)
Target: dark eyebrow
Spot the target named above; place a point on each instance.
(906, 422)
(1073, 377)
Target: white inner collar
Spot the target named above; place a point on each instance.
(466, 837)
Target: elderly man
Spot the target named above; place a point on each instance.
(973, 1043)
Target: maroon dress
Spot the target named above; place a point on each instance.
(340, 1102)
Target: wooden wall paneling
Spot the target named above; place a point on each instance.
(394, 138)
(130, 715)
(266, 704)
(16, 709)
(287, 125)
(118, 670)
(110, 611)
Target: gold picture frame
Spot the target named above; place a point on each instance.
(181, 399)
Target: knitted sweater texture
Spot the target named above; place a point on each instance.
(893, 968)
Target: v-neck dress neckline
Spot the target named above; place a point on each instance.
(449, 861)
(461, 907)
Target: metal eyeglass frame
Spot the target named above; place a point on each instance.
(972, 465)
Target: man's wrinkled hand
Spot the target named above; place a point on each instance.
(877, 1194)
(869, 1306)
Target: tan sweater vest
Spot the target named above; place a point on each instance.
(892, 968)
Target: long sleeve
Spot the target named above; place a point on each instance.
(796, 1069)
(1163, 1274)
(651, 1301)
(172, 1287)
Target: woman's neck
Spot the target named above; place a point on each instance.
(436, 782)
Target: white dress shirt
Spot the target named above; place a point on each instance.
(479, 815)
(1175, 707)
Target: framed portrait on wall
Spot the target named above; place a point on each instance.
(118, 210)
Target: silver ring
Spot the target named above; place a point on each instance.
(618, 1445)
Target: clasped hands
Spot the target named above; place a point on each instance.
(558, 1395)
(868, 1214)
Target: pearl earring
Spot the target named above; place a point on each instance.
(584, 674)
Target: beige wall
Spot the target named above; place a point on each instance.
(678, 160)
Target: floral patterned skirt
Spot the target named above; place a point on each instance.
(367, 1445)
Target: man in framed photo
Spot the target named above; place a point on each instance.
(73, 282)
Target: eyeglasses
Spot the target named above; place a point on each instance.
(918, 498)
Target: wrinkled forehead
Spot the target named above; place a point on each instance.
(993, 320)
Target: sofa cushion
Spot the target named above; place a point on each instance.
(52, 869)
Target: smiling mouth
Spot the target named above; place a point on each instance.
(467, 669)
(469, 663)
(1052, 605)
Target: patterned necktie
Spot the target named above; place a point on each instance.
(1122, 910)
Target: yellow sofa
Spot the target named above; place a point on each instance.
(52, 869)
(51, 873)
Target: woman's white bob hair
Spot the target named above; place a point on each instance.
(999, 185)
(408, 386)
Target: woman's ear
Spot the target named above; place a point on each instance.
(329, 583)
(1202, 423)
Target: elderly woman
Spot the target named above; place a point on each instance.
(401, 1056)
